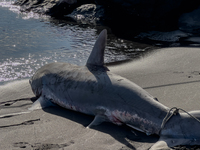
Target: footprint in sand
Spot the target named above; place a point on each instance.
(42, 146)
(21, 144)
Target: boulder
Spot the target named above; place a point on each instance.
(88, 14)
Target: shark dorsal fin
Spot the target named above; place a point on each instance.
(97, 55)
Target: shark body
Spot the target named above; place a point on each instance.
(92, 89)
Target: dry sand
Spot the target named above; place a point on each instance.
(172, 75)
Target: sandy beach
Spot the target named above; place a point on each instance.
(172, 75)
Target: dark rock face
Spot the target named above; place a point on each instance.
(129, 17)
(141, 8)
(153, 13)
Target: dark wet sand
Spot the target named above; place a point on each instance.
(172, 75)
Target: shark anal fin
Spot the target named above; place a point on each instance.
(97, 120)
(40, 103)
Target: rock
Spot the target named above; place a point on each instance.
(88, 14)
(190, 22)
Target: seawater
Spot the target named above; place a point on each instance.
(29, 41)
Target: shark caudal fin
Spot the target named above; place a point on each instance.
(97, 55)
(182, 129)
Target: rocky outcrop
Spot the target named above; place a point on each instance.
(124, 17)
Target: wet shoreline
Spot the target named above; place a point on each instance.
(31, 40)
(28, 44)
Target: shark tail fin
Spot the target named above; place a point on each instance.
(97, 55)
(181, 131)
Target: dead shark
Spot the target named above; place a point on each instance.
(92, 89)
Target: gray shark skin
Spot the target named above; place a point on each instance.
(93, 90)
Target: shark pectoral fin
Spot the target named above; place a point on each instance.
(40, 103)
(135, 128)
(97, 120)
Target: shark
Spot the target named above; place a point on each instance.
(94, 90)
